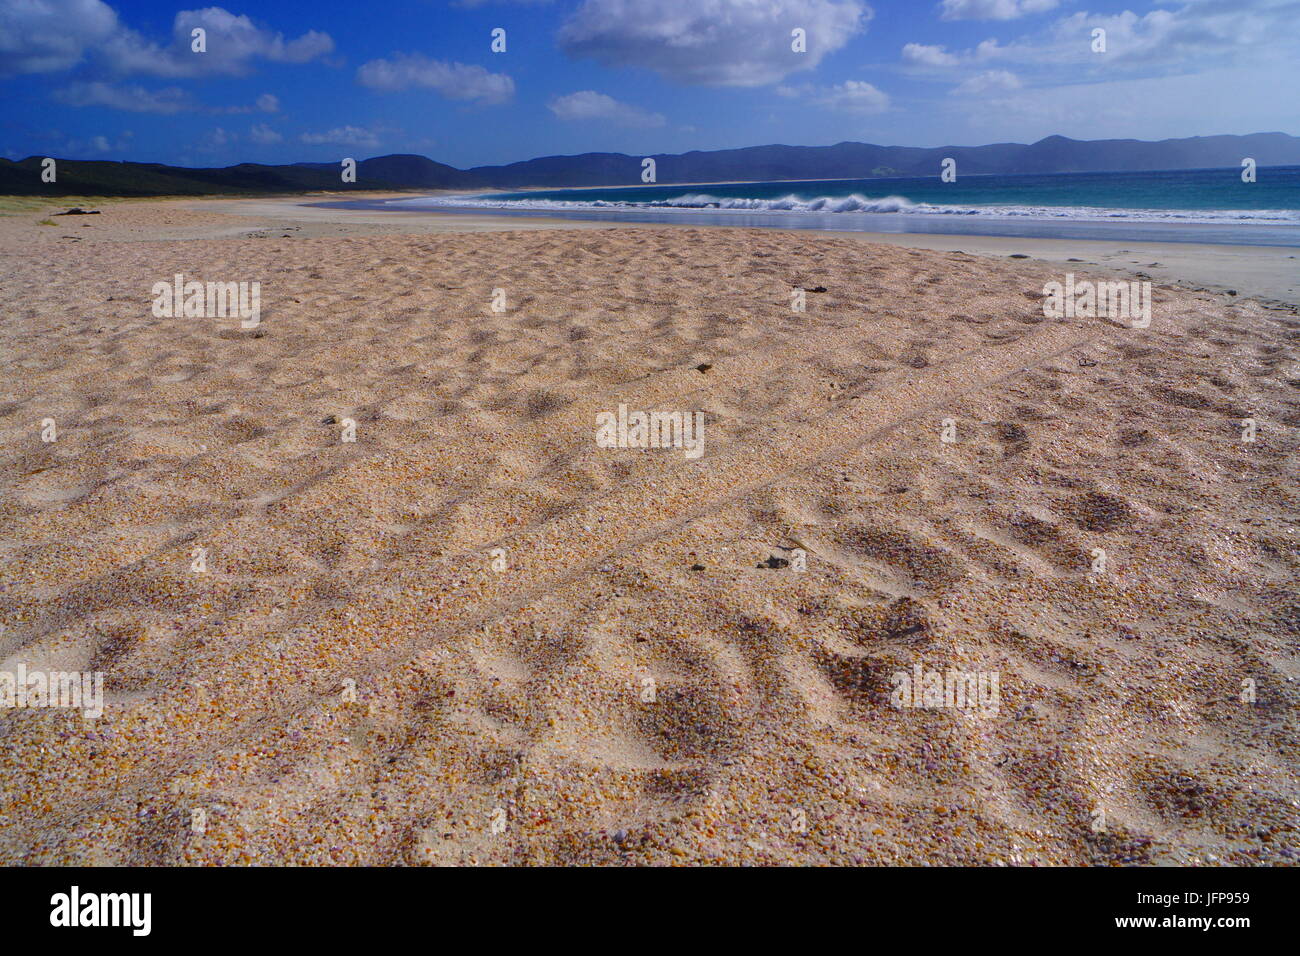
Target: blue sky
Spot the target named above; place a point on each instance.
(284, 82)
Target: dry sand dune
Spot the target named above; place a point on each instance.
(504, 716)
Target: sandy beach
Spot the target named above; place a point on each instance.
(473, 635)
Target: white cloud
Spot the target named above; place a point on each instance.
(711, 42)
(218, 138)
(134, 99)
(923, 55)
(234, 42)
(343, 136)
(1198, 34)
(1186, 68)
(263, 135)
(455, 81)
(100, 144)
(137, 99)
(42, 37)
(1148, 108)
(993, 9)
(266, 103)
(989, 81)
(590, 105)
(851, 96)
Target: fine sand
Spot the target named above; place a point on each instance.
(473, 636)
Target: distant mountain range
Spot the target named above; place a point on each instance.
(1055, 154)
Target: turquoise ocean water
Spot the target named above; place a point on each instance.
(1200, 205)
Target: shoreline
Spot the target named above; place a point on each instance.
(910, 223)
(1268, 273)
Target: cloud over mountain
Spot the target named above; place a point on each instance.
(590, 105)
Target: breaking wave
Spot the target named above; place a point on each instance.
(858, 203)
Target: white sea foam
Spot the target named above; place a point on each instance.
(852, 203)
(857, 203)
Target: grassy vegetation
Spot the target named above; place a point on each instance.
(22, 205)
(29, 205)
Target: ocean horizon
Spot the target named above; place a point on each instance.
(1197, 205)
